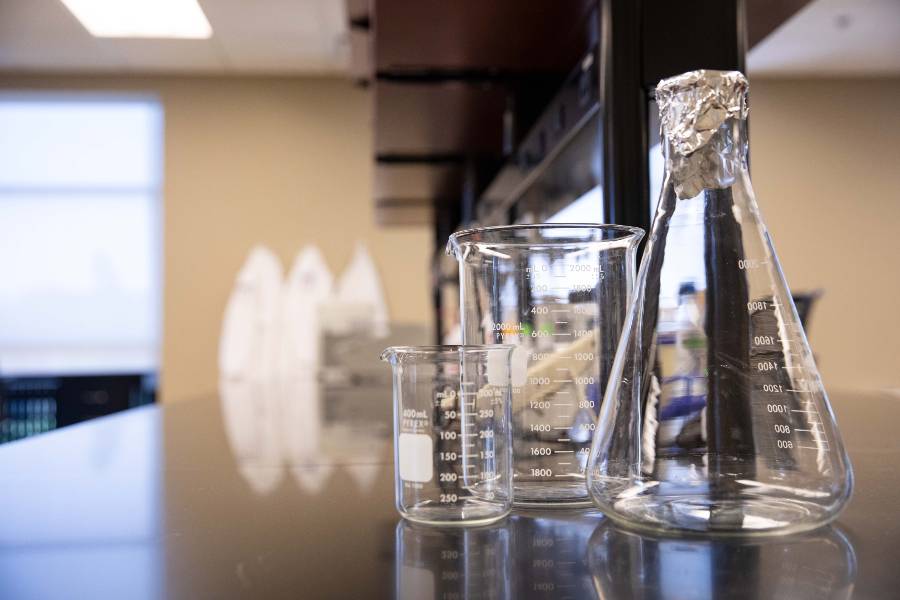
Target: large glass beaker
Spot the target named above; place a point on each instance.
(559, 293)
(715, 419)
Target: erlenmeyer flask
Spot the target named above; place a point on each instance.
(715, 419)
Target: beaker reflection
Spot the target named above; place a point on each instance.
(452, 563)
(817, 565)
(550, 555)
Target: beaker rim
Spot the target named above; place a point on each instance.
(448, 349)
(493, 236)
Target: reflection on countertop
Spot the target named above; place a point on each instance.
(581, 555)
(814, 566)
(298, 427)
(528, 555)
(162, 502)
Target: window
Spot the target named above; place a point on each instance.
(586, 209)
(80, 208)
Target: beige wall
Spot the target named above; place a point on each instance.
(284, 162)
(826, 169)
(287, 162)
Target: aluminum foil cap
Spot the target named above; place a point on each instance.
(693, 107)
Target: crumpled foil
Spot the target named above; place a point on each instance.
(693, 107)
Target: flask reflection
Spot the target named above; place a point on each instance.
(817, 565)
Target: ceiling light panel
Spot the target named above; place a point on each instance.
(182, 19)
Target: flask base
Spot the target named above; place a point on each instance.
(707, 516)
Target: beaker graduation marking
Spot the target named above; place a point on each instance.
(582, 277)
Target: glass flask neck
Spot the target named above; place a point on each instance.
(718, 164)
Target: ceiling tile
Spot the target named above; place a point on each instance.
(44, 35)
(833, 38)
(271, 36)
(179, 56)
(281, 35)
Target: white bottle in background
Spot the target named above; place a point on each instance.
(248, 345)
(360, 296)
(309, 286)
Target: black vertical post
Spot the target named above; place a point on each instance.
(642, 42)
(446, 215)
(623, 102)
(729, 421)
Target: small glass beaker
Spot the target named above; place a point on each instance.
(560, 293)
(452, 434)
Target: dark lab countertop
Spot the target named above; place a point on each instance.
(251, 498)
